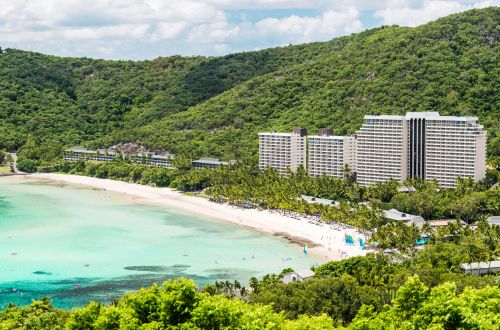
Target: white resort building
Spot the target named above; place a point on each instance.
(329, 155)
(152, 159)
(107, 155)
(79, 153)
(210, 163)
(297, 276)
(406, 218)
(454, 147)
(283, 150)
(146, 158)
(381, 149)
(418, 145)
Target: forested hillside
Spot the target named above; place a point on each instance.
(75, 100)
(450, 65)
(215, 106)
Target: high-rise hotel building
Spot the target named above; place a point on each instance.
(283, 150)
(417, 145)
(328, 154)
(420, 144)
(454, 147)
(381, 152)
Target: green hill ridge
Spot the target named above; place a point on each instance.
(216, 106)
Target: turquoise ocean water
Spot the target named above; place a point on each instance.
(76, 244)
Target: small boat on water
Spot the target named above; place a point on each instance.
(77, 285)
(13, 253)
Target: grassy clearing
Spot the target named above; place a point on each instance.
(4, 169)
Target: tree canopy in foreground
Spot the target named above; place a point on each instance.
(176, 304)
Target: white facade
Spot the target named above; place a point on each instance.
(454, 147)
(75, 154)
(211, 163)
(408, 219)
(282, 150)
(381, 149)
(420, 144)
(79, 153)
(150, 159)
(478, 268)
(297, 276)
(328, 155)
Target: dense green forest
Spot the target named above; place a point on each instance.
(67, 101)
(215, 106)
(450, 65)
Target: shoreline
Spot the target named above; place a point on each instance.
(323, 241)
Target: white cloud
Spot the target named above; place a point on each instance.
(303, 29)
(428, 11)
(33, 23)
(168, 30)
(212, 32)
(148, 28)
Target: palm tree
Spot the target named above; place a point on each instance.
(427, 229)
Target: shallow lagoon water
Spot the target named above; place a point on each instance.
(76, 244)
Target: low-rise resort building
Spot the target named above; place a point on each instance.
(77, 153)
(417, 145)
(444, 222)
(152, 159)
(317, 200)
(494, 220)
(210, 163)
(478, 268)
(297, 276)
(408, 219)
(165, 160)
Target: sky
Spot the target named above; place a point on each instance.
(146, 29)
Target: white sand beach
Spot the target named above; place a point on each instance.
(325, 242)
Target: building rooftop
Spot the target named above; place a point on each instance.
(394, 214)
(437, 116)
(213, 161)
(87, 151)
(494, 220)
(444, 222)
(331, 137)
(165, 156)
(304, 273)
(80, 149)
(110, 152)
(317, 200)
(391, 117)
(481, 265)
(296, 131)
(157, 156)
(424, 114)
(276, 133)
